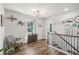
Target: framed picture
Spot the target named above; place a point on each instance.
(50, 28)
(76, 19)
(74, 25)
(30, 26)
(78, 26)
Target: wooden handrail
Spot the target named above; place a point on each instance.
(67, 42)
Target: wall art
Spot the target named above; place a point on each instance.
(50, 28)
(21, 23)
(12, 18)
(76, 19)
(30, 26)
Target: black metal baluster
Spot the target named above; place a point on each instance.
(52, 39)
(58, 41)
(62, 44)
(48, 38)
(74, 44)
(66, 44)
(77, 45)
(71, 47)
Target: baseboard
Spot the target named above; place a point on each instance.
(42, 39)
(58, 49)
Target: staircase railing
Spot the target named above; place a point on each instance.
(67, 43)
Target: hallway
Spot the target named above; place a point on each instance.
(38, 48)
(22, 23)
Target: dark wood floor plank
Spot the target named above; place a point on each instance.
(38, 48)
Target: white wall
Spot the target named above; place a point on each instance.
(1, 12)
(2, 35)
(40, 30)
(2, 32)
(12, 28)
(56, 21)
(1, 9)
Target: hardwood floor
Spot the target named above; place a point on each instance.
(38, 48)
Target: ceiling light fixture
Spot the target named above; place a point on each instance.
(66, 9)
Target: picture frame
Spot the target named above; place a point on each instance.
(30, 26)
(76, 19)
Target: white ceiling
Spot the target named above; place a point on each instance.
(46, 9)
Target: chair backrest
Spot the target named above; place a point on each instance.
(9, 40)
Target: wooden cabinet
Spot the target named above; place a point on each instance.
(32, 38)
